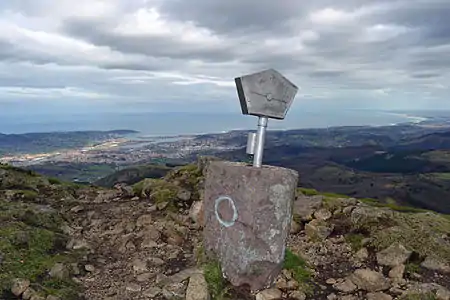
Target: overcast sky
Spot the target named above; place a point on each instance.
(182, 55)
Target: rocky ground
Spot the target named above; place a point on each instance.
(145, 242)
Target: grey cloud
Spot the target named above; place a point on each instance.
(345, 60)
(154, 46)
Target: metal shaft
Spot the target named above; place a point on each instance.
(260, 137)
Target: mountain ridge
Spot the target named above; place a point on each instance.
(144, 242)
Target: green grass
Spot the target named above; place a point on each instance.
(314, 192)
(53, 180)
(214, 278)
(427, 296)
(392, 205)
(420, 232)
(31, 244)
(18, 170)
(297, 266)
(26, 194)
(411, 268)
(355, 240)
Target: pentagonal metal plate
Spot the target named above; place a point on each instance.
(266, 93)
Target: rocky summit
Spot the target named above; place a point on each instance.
(65, 241)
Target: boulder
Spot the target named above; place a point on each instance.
(426, 289)
(305, 206)
(144, 220)
(346, 286)
(378, 296)
(436, 264)
(270, 294)
(19, 286)
(133, 287)
(322, 214)
(369, 280)
(29, 292)
(196, 213)
(250, 249)
(394, 255)
(295, 227)
(59, 271)
(152, 292)
(184, 195)
(139, 266)
(197, 288)
(297, 295)
(318, 230)
(362, 254)
(396, 273)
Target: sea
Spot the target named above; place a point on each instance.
(172, 124)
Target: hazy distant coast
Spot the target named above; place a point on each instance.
(174, 124)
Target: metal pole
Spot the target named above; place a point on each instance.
(260, 136)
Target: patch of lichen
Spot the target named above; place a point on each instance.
(421, 232)
(30, 244)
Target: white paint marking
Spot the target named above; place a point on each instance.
(216, 209)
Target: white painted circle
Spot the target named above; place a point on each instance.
(216, 210)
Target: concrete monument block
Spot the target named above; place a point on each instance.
(248, 213)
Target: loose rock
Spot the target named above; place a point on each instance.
(29, 292)
(144, 220)
(397, 272)
(89, 268)
(184, 195)
(152, 292)
(139, 266)
(271, 294)
(346, 286)
(59, 271)
(295, 227)
(394, 255)
(362, 254)
(197, 288)
(378, 296)
(19, 286)
(435, 264)
(369, 280)
(196, 212)
(133, 287)
(298, 295)
(318, 230)
(322, 214)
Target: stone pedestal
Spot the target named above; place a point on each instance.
(248, 212)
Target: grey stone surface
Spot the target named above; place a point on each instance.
(248, 212)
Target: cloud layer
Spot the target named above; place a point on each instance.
(386, 53)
